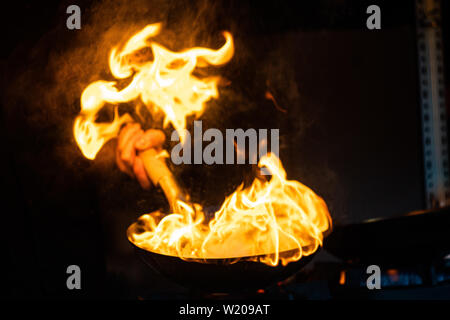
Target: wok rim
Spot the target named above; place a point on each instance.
(212, 260)
(222, 260)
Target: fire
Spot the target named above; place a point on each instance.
(272, 221)
(165, 84)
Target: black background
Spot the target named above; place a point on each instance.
(351, 130)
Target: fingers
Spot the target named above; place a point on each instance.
(150, 139)
(124, 159)
(128, 153)
(122, 166)
(141, 174)
(126, 133)
(131, 140)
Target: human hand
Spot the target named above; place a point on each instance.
(132, 139)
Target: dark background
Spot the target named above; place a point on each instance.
(350, 129)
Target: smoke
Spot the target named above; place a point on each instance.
(47, 78)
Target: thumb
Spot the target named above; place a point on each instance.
(150, 139)
(143, 143)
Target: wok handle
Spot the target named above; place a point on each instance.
(161, 176)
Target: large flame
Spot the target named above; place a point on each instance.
(165, 84)
(271, 221)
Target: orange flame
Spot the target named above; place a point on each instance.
(271, 221)
(164, 84)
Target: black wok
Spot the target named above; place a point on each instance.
(219, 275)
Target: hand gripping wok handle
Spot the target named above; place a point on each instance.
(161, 176)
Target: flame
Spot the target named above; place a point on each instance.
(165, 84)
(271, 221)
